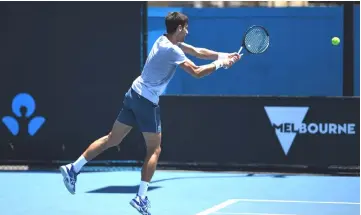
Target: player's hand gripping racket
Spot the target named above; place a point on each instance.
(256, 40)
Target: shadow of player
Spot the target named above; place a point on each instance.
(134, 189)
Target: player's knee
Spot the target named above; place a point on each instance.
(156, 151)
(110, 141)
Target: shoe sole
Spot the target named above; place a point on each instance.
(137, 208)
(65, 178)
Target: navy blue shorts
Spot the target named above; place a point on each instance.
(139, 111)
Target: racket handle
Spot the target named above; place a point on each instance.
(239, 51)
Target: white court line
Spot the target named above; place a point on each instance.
(251, 213)
(294, 201)
(218, 207)
(232, 201)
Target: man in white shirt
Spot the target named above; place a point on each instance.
(140, 105)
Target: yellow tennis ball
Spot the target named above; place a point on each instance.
(335, 41)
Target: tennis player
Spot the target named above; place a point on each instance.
(140, 104)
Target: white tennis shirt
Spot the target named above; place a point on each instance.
(159, 69)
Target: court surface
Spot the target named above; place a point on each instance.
(180, 193)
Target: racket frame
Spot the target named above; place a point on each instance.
(244, 38)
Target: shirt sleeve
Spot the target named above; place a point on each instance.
(178, 55)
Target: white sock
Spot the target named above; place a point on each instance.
(78, 164)
(143, 188)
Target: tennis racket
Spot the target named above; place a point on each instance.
(256, 40)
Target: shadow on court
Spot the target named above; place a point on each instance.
(213, 177)
(121, 189)
(134, 189)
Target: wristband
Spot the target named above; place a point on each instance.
(222, 55)
(218, 64)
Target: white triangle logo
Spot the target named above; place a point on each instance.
(281, 115)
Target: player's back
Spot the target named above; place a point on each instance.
(158, 70)
(159, 62)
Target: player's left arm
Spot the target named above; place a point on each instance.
(203, 53)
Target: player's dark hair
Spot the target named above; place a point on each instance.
(173, 20)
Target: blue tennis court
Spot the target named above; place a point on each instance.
(291, 103)
(180, 193)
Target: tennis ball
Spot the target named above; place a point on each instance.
(335, 41)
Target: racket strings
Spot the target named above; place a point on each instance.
(256, 40)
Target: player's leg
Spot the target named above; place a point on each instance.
(118, 133)
(153, 141)
(141, 201)
(70, 171)
(147, 116)
(122, 126)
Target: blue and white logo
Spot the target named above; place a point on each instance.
(27, 101)
(286, 121)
